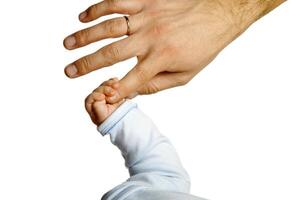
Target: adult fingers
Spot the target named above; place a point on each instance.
(138, 76)
(107, 7)
(111, 28)
(106, 56)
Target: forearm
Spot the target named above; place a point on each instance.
(150, 157)
(246, 12)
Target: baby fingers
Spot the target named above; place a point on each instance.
(105, 90)
(94, 96)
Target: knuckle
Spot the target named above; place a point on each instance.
(87, 99)
(181, 80)
(99, 89)
(82, 36)
(111, 53)
(95, 90)
(165, 53)
(168, 49)
(159, 29)
(113, 3)
(83, 65)
(93, 95)
(153, 12)
(152, 88)
(111, 27)
(141, 73)
(92, 11)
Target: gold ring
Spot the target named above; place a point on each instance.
(128, 25)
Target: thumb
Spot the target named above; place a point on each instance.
(162, 81)
(134, 79)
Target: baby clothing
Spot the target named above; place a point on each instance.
(156, 172)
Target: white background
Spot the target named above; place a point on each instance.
(236, 126)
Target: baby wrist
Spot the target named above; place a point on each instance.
(106, 126)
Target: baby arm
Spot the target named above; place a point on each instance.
(151, 159)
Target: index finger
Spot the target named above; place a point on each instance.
(138, 76)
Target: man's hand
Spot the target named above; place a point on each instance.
(172, 39)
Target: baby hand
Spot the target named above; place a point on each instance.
(96, 103)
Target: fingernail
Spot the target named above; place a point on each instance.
(70, 41)
(83, 15)
(71, 70)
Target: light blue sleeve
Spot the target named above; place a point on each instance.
(151, 159)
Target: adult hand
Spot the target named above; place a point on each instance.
(172, 39)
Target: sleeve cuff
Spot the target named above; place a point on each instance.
(116, 116)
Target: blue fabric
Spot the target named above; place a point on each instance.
(154, 166)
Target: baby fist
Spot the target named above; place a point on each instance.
(96, 103)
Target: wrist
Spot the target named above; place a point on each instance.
(246, 12)
(108, 124)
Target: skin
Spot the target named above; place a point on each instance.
(173, 40)
(96, 103)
